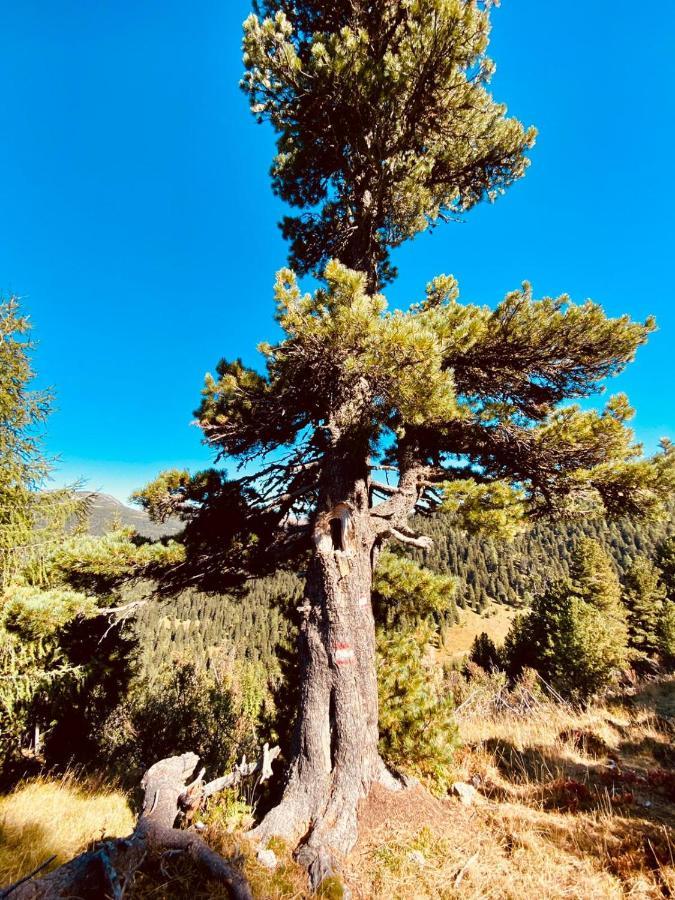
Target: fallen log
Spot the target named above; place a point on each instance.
(108, 870)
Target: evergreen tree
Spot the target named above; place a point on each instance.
(386, 123)
(484, 653)
(595, 578)
(386, 126)
(665, 560)
(667, 634)
(22, 465)
(644, 597)
(417, 730)
(34, 613)
(575, 636)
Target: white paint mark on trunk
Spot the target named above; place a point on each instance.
(344, 655)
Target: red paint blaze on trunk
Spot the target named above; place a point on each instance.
(343, 654)
(336, 755)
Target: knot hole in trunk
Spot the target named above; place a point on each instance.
(335, 530)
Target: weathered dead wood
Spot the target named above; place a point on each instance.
(197, 791)
(108, 871)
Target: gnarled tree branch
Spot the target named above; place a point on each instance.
(421, 541)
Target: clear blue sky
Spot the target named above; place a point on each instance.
(139, 226)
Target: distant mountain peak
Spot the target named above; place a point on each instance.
(106, 510)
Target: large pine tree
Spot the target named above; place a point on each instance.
(386, 126)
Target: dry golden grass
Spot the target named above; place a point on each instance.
(572, 805)
(49, 817)
(495, 621)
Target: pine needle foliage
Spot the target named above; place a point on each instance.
(594, 577)
(99, 563)
(22, 466)
(385, 119)
(472, 394)
(33, 612)
(644, 597)
(33, 661)
(417, 728)
(484, 653)
(43, 615)
(665, 560)
(404, 590)
(386, 125)
(22, 410)
(575, 635)
(32, 520)
(667, 634)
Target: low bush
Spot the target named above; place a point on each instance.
(417, 728)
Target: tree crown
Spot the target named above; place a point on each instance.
(467, 397)
(385, 121)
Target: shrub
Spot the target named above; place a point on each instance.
(212, 713)
(417, 728)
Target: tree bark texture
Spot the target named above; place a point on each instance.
(336, 756)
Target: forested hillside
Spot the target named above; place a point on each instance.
(512, 573)
(260, 619)
(192, 625)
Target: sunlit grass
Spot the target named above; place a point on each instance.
(49, 817)
(494, 621)
(527, 837)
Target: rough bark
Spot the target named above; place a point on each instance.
(336, 757)
(109, 870)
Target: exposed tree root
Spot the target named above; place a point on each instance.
(109, 870)
(322, 822)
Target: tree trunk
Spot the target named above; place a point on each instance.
(336, 755)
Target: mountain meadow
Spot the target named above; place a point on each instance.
(508, 774)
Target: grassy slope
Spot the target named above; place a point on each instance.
(568, 809)
(495, 621)
(572, 804)
(48, 817)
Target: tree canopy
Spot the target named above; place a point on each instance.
(469, 395)
(385, 119)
